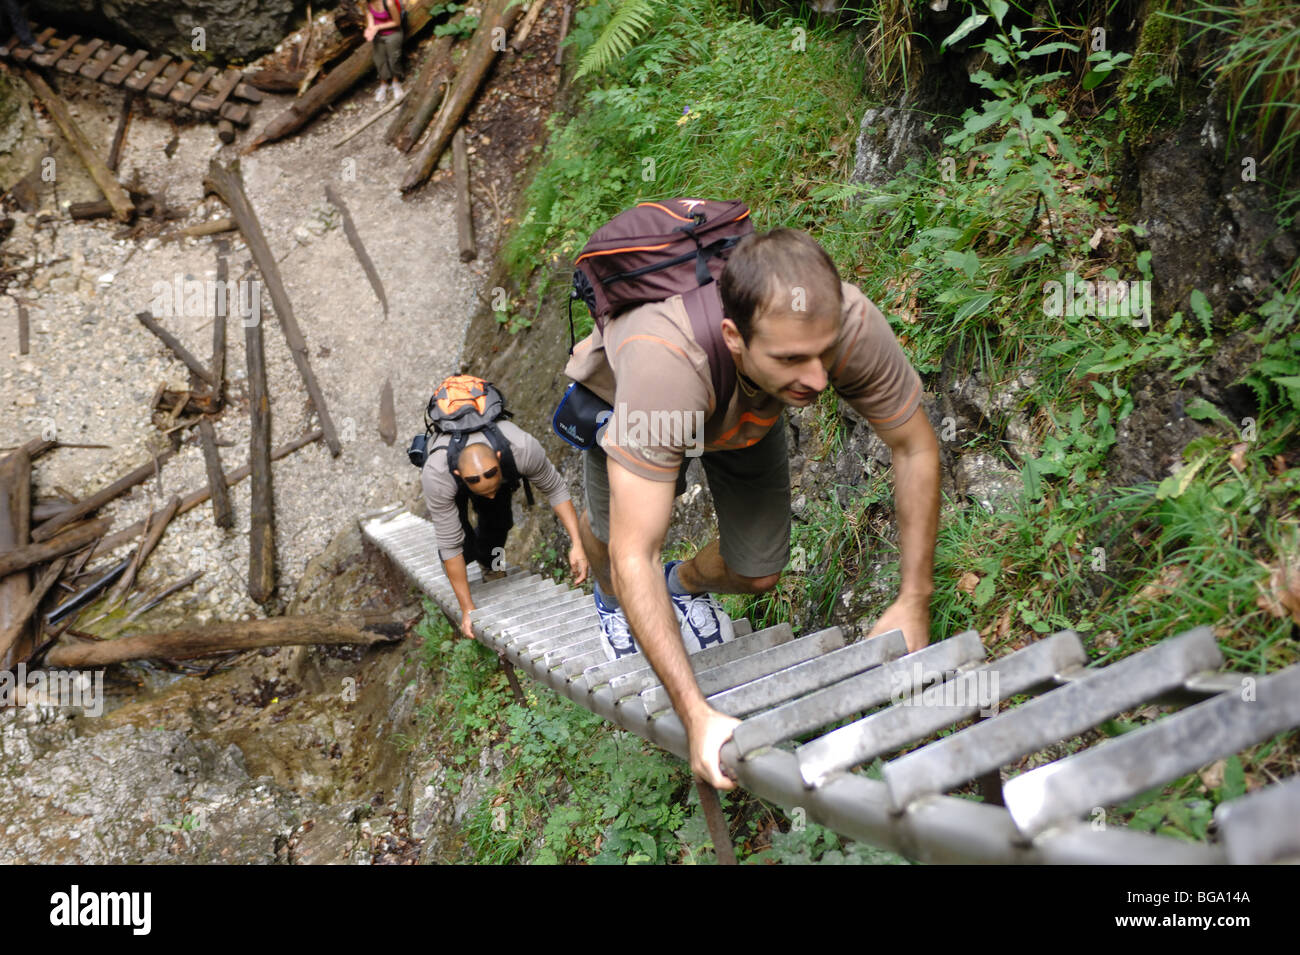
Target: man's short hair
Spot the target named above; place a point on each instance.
(783, 270)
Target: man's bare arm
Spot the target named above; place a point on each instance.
(640, 511)
(579, 566)
(454, 568)
(915, 451)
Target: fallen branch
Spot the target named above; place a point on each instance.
(367, 124)
(195, 498)
(261, 509)
(387, 414)
(15, 525)
(86, 505)
(354, 240)
(478, 60)
(464, 215)
(228, 183)
(24, 611)
(172, 342)
(222, 514)
(221, 638)
(123, 208)
(119, 135)
(211, 227)
(156, 528)
(424, 98)
(70, 540)
(526, 27)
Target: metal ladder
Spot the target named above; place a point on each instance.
(785, 688)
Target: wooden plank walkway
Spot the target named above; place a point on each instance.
(214, 94)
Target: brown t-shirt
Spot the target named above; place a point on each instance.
(648, 361)
(440, 486)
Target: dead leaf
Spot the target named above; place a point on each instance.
(1169, 578)
(1212, 775)
(968, 583)
(1238, 457)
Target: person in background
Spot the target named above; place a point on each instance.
(9, 12)
(384, 32)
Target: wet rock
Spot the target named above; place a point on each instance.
(987, 481)
(888, 137)
(232, 28)
(1206, 228)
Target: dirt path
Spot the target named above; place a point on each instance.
(92, 368)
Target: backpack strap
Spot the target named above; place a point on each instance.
(704, 307)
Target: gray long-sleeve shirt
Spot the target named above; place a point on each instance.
(440, 486)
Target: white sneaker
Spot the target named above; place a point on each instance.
(381, 93)
(398, 93)
(700, 617)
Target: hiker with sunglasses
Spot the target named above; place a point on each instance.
(480, 482)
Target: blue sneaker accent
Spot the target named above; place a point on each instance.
(701, 619)
(618, 640)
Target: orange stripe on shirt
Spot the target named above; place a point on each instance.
(747, 416)
(650, 338)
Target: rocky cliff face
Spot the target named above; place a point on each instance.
(230, 29)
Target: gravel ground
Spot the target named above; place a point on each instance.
(93, 368)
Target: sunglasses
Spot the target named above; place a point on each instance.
(486, 475)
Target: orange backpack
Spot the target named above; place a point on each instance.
(463, 405)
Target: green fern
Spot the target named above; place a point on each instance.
(622, 31)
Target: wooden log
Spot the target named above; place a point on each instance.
(119, 134)
(526, 27)
(354, 240)
(225, 131)
(276, 81)
(211, 227)
(421, 101)
(337, 630)
(24, 330)
(85, 506)
(172, 342)
(13, 636)
(44, 510)
(70, 540)
(227, 182)
(564, 31)
(261, 533)
(195, 498)
(339, 81)
(123, 208)
(222, 514)
(151, 539)
(15, 525)
(479, 58)
(387, 414)
(219, 328)
(464, 214)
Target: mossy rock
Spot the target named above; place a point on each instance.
(1147, 103)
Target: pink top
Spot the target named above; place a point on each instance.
(383, 16)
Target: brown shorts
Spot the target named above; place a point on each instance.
(751, 495)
